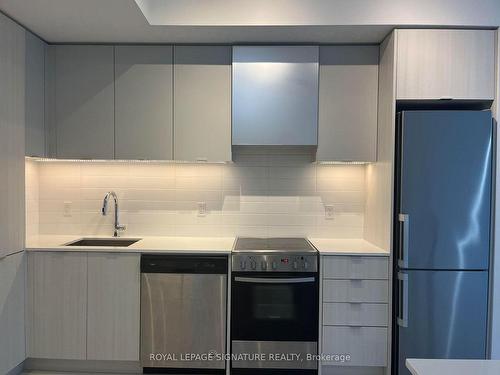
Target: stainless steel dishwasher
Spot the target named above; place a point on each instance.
(183, 313)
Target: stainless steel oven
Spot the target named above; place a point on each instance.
(274, 306)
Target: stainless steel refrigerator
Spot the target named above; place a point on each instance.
(443, 224)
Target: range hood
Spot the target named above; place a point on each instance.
(275, 95)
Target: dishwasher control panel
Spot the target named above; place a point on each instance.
(242, 262)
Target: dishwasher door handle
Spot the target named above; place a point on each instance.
(269, 280)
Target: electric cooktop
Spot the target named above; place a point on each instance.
(274, 244)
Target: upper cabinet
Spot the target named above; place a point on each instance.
(348, 91)
(445, 64)
(202, 103)
(84, 101)
(143, 102)
(35, 96)
(192, 103)
(275, 95)
(12, 119)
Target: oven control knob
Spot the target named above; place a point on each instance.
(274, 265)
(306, 265)
(243, 264)
(295, 265)
(253, 264)
(263, 265)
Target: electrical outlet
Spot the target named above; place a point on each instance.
(329, 212)
(202, 208)
(67, 208)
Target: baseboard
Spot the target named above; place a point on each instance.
(70, 365)
(16, 370)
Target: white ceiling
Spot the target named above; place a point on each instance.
(321, 12)
(121, 21)
(240, 21)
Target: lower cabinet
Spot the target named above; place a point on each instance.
(113, 312)
(57, 305)
(12, 286)
(83, 306)
(355, 317)
(366, 346)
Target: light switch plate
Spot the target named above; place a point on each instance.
(202, 209)
(329, 212)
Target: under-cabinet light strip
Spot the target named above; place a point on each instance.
(140, 161)
(343, 162)
(121, 161)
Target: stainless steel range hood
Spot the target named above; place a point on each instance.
(275, 96)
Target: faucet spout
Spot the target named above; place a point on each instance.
(104, 210)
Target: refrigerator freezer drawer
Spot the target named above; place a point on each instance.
(367, 346)
(355, 267)
(446, 315)
(370, 291)
(355, 314)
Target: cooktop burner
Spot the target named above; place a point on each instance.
(279, 244)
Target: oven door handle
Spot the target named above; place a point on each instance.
(268, 280)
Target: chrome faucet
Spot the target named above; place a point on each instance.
(104, 210)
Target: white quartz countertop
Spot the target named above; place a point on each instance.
(329, 246)
(194, 245)
(453, 367)
(147, 244)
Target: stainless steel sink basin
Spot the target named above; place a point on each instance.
(113, 242)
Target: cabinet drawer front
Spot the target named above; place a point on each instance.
(355, 267)
(355, 314)
(373, 291)
(367, 346)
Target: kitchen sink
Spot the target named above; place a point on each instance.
(113, 242)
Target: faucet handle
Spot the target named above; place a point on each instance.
(104, 209)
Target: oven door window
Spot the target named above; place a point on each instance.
(276, 311)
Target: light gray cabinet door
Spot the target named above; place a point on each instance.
(348, 91)
(84, 101)
(454, 64)
(275, 95)
(202, 103)
(57, 305)
(35, 96)
(12, 329)
(12, 118)
(143, 107)
(113, 319)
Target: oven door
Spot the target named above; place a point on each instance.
(274, 306)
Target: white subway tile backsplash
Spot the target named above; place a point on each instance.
(263, 193)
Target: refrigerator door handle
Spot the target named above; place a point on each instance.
(403, 300)
(404, 240)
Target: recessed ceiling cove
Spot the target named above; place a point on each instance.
(320, 12)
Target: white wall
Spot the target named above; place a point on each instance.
(258, 195)
(322, 12)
